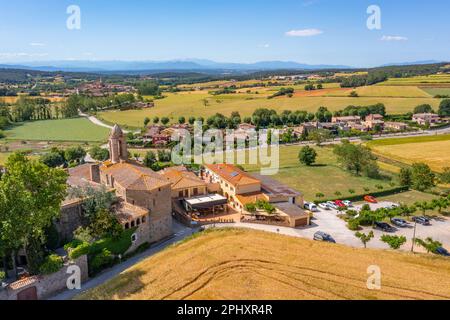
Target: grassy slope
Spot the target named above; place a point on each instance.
(243, 264)
(79, 129)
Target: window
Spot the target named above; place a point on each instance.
(154, 203)
(127, 226)
(133, 224)
(180, 194)
(138, 222)
(195, 191)
(134, 237)
(144, 219)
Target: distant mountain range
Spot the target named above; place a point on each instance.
(172, 65)
(198, 65)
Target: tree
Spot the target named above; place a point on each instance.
(394, 242)
(99, 154)
(31, 194)
(423, 108)
(307, 156)
(429, 244)
(165, 120)
(146, 121)
(405, 177)
(422, 177)
(181, 120)
(150, 159)
(365, 238)
(357, 159)
(440, 204)
(445, 176)
(191, 120)
(52, 159)
(444, 108)
(156, 120)
(74, 154)
(319, 136)
(353, 94)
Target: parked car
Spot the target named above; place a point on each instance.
(392, 206)
(348, 203)
(324, 206)
(370, 199)
(332, 205)
(442, 252)
(322, 236)
(399, 222)
(311, 207)
(422, 220)
(383, 226)
(340, 203)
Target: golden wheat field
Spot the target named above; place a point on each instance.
(436, 153)
(244, 264)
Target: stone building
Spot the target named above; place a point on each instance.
(144, 195)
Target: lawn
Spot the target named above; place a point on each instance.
(254, 265)
(437, 91)
(326, 177)
(193, 104)
(433, 150)
(409, 197)
(79, 129)
(392, 91)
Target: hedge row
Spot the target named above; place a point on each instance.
(357, 198)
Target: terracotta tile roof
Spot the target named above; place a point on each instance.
(24, 282)
(251, 197)
(126, 212)
(80, 176)
(135, 177)
(232, 174)
(181, 178)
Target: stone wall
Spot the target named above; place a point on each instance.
(46, 286)
(71, 219)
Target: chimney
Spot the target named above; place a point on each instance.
(94, 173)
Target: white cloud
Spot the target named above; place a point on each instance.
(265, 45)
(304, 33)
(37, 44)
(21, 54)
(393, 38)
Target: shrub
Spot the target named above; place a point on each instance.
(73, 244)
(52, 264)
(102, 260)
(2, 276)
(82, 249)
(250, 207)
(353, 224)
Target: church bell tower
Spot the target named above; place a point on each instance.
(117, 145)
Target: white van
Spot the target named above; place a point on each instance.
(311, 207)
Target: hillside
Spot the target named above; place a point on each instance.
(243, 264)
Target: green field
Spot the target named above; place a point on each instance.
(397, 141)
(418, 81)
(437, 91)
(79, 129)
(193, 104)
(326, 177)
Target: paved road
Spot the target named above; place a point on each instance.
(181, 232)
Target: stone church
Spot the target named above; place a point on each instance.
(145, 201)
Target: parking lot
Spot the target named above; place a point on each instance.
(328, 221)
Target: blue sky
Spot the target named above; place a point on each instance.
(327, 31)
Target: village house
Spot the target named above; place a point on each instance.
(346, 119)
(246, 126)
(185, 184)
(241, 189)
(397, 126)
(426, 118)
(373, 121)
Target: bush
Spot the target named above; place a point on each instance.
(79, 251)
(2, 276)
(116, 246)
(52, 264)
(73, 244)
(353, 225)
(101, 261)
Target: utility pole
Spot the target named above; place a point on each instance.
(414, 237)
